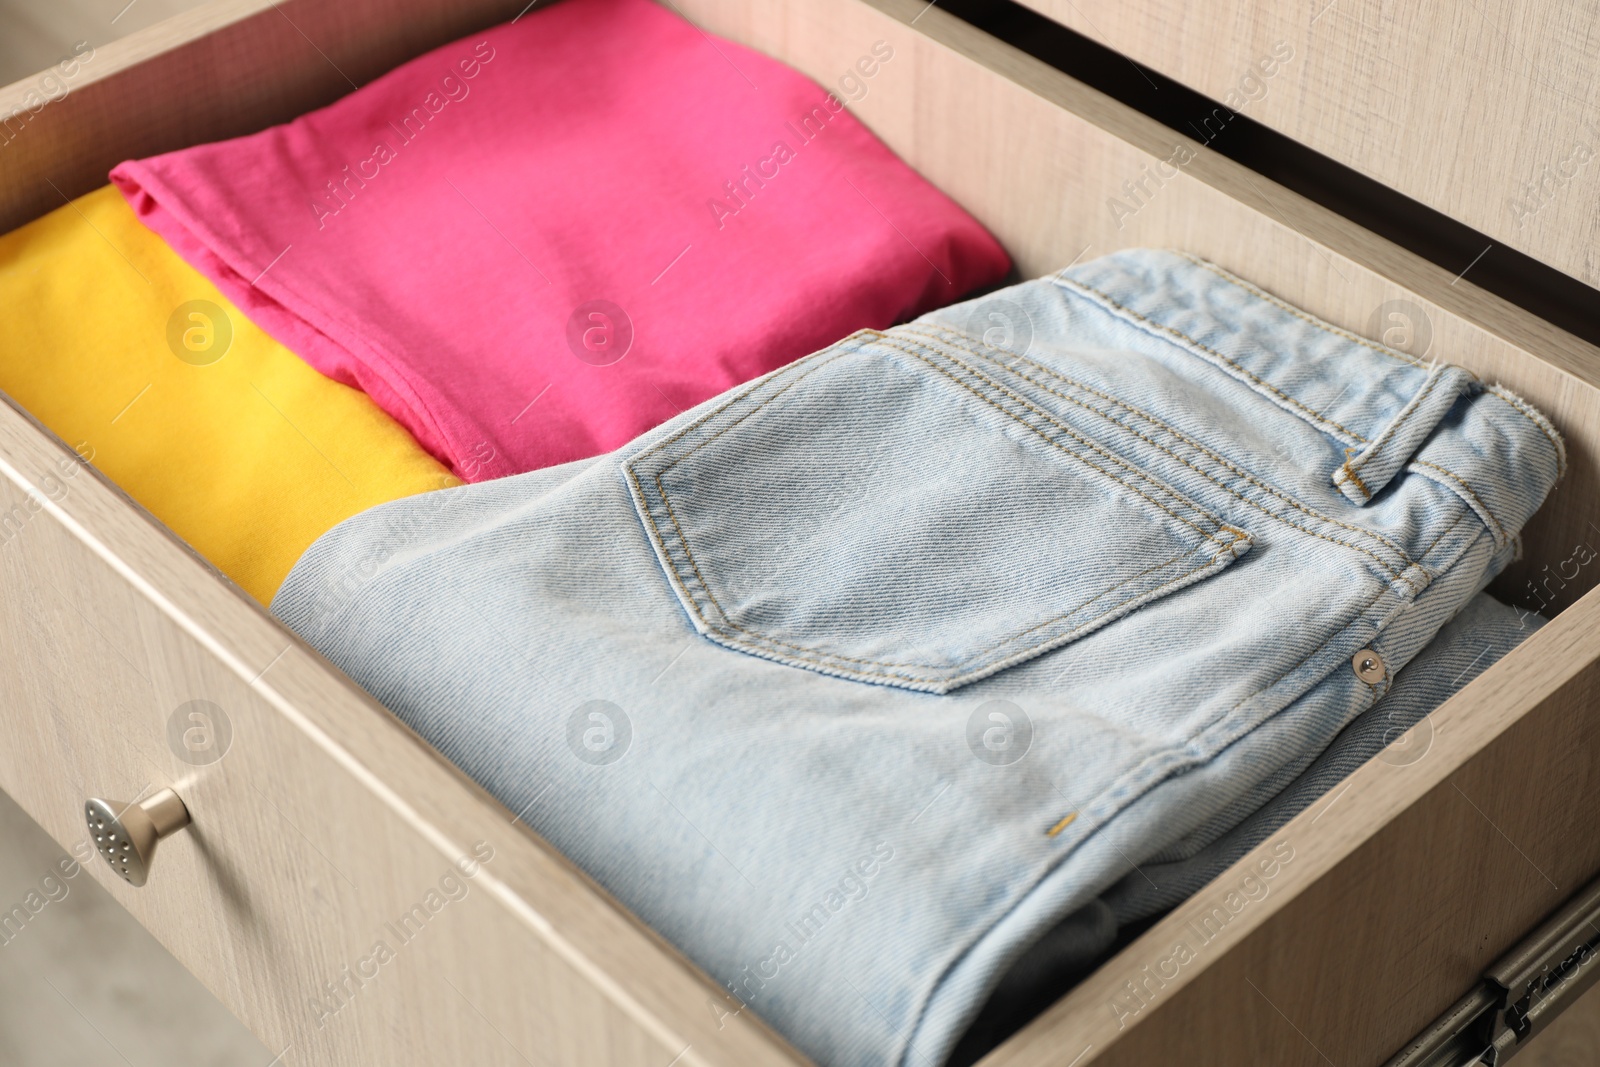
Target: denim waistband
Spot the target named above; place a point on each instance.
(1381, 404)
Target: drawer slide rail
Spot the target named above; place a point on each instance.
(1519, 995)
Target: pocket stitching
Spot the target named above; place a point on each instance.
(755, 637)
(807, 654)
(890, 342)
(1108, 302)
(1398, 575)
(729, 623)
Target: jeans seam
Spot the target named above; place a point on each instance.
(1326, 327)
(1536, 417)
(1489, 516)
(1501, 536)
(1198, 446)
(1164, 328)
(1460, 517)
(1397, 575)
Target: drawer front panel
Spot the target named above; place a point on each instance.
(330, 916)
(1368, 946)
(1486, 114)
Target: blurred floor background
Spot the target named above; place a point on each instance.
(84, 985)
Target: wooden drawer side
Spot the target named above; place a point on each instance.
(306, 855)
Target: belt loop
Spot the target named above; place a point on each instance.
(1364, 473)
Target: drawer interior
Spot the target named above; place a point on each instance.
(1516, 170)
(1035, 156)
(1041, 177)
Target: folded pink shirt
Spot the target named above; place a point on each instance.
(536, 243)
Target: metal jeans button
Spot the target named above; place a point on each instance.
(1368, 666)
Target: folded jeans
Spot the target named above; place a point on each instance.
(1469, 644)
(855, 681)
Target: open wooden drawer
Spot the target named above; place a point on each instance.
(1504, 79)
(327, 822)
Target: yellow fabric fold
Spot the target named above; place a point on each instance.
(141, 365)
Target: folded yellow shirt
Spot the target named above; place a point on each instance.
(141, 365)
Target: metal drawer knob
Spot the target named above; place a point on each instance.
(126, 834)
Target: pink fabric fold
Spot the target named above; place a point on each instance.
(533, 244)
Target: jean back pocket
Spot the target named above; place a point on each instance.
(888, 513)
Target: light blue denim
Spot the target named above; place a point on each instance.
(855, 681)
(1469, 644)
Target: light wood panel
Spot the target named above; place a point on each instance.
(34, 36)
(121, 623)
(323, 825)
(1461, 106)
(227, 67)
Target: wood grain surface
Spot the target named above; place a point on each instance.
(321, 830)
(35, 36)
(1487, 110)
